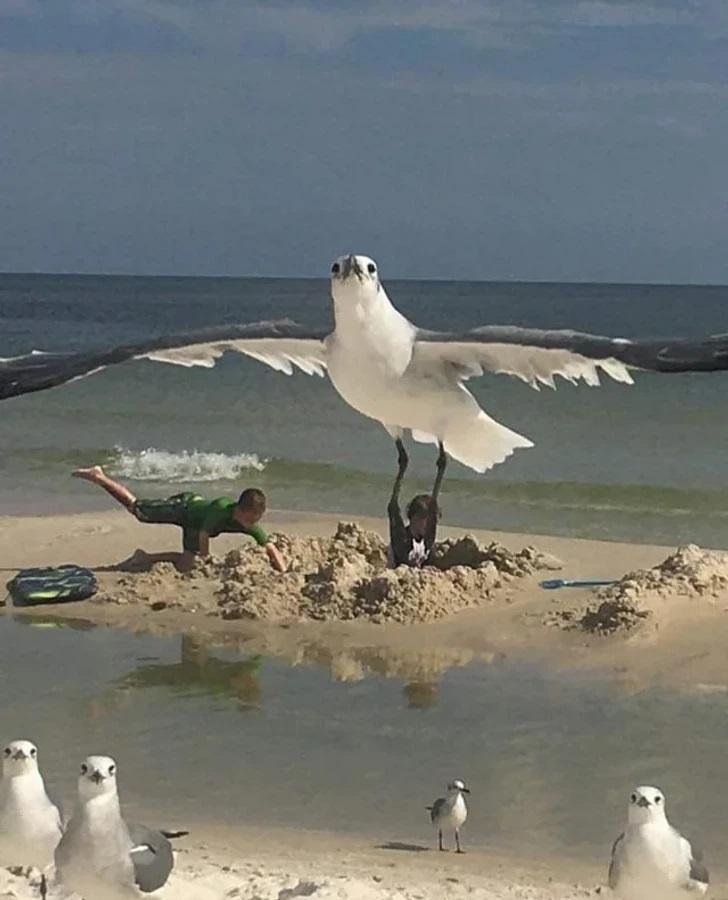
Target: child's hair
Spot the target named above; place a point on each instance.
(420, 506)
(252, 500)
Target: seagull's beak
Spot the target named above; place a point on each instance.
(350, 267)
(643, 802)
(465, 790)
(97, 777)
(19, 754)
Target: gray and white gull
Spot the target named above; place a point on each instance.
(390, 370)
(651, 860)
(30, 822)
(450, 812)
(100, 856)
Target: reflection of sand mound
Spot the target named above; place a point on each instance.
(689, 573)
(340, 578)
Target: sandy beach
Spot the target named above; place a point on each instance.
(522, 621)
(516, 623)
(280, 865)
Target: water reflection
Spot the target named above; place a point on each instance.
(199, 671)
(202, 667)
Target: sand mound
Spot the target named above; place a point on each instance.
(690, 572)
(340, 578)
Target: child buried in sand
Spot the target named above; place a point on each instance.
(411, 544)
(198, 518)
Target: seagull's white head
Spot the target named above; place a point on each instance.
(457, 787)
(97, 777)
(646, 805)
(19, 758)
(354, 279)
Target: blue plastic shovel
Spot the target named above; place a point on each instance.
(556, 583)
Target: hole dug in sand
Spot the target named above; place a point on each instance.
(340, 578)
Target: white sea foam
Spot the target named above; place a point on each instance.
(182, 466)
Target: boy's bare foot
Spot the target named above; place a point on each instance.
(92, 473)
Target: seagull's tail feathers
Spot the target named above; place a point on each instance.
(480, 442)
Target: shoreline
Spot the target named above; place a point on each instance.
(216, 862)
(684, 649)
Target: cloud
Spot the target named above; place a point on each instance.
(315, 26)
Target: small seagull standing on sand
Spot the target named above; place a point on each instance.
(652, 860)
(450, 812)
(100, 856)
(30, 823)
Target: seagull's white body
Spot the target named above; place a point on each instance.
(30, 823)
(652, 860)
(373, 365)
(452, 813)
(449, 813)
(94, 857)
(656, 863)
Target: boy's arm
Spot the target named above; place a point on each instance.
(203, 544)
(275, 556)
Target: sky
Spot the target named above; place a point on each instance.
(555, 140)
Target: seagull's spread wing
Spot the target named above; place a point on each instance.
(615, 862)
(282, 345)
(537, 357)
(152, 857)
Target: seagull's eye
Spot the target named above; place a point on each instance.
(84, 768)
(33, 752)
(371, 268)
(8, 751)
(633, 798)
(658, 799)
(335, 269)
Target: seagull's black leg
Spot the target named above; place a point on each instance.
(43, 887)
(402, 459)
(441, 465)
(439, 840)
(403, 462)
(457, 842)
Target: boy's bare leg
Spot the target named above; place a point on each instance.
(96, 475)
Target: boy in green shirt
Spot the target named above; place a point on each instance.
(198, 518)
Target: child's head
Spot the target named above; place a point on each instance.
(250, 506)
(418, 511)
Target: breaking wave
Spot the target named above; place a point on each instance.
(183, 466)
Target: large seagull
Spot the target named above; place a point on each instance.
(390, 370)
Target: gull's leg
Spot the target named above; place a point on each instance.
(402, 459)
(43, 887)
(439, 840)
(457, 842)
(440, 465)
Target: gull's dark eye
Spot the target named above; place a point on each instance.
(658, 799)
(33, 752)
(112, 769)
(335, 269)
(371, 268)
(633, 798)
(84, 768)
(7, 751)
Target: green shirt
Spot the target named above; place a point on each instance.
(216, 517)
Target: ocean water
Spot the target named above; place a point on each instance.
(644, 463)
